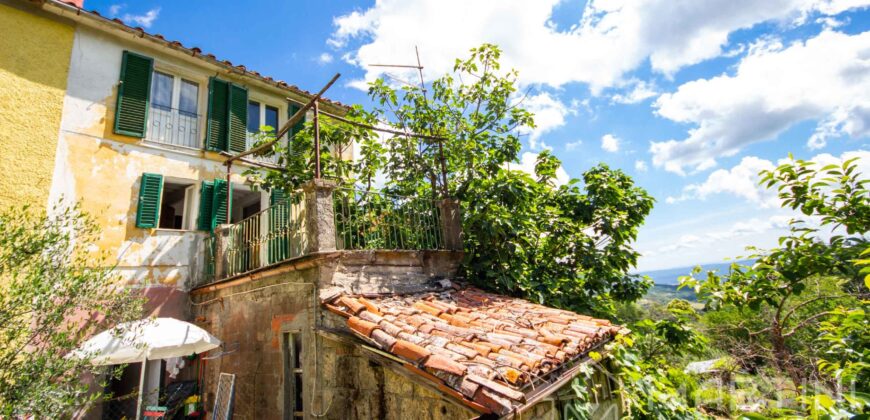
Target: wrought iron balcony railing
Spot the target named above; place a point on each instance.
(174, 127)
(358, 220)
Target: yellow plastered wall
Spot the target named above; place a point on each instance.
(34, 62)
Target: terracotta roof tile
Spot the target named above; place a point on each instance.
(484, 347)
(195, 51)
(361, 326)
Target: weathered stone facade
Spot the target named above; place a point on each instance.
(251, 314)
(260, 315)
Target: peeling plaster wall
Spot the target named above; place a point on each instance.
(101, 170)
(34, 61)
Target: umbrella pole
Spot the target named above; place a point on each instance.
(141, 388)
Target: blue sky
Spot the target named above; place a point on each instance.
(692, 98)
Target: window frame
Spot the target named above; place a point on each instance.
(266, 101)
(178, 73)
(291, 371)
(190, 204)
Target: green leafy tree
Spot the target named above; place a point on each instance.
(53, 296)
(566, 245)
(794, 287)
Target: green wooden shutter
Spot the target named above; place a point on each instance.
(217, 121)
(206, 202)
(219, 203)
(238, 119)
(279, 232)
(134, 93)
(148, 209)
(292, 109)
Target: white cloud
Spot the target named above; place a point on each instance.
(610, 143)
(527, 165)
(740, 229)
(324, 58)
(144, 20)
(612, 38)
(574, 145)
(549, 113)
(640, 91)
(640, 166)
(115, 9)
(742, 180)
(826, 78)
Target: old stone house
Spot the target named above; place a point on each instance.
(328, 306)
(343, 331)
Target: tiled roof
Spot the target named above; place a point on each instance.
(193, 51)
(489, 348)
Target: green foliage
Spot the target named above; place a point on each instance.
(523, 235)
(715, 399)
(556, 245)
(645, 387)
(799, 306)
(562, 245)
(52, 297)
(846, 339)
(667, 339)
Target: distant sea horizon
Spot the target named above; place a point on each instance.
(669, 276)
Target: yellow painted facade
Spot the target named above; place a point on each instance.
(34, 63)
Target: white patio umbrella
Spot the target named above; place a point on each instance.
(143, 340)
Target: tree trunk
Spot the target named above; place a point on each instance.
(783, 356)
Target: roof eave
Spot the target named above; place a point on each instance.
(94, 19)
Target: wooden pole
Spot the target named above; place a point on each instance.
(298, 116)
(316, 140)
(141, 388)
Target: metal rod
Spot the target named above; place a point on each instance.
(316, 141)
(407, 66)
(298, 116)
(385, 130)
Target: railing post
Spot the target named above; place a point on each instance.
(221, 247)
(451, 224)
(319, 215)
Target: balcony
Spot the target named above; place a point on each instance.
(250, 141)
(173, 127)
(321, 219)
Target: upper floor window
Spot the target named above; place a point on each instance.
(261, 114)
(173, 118)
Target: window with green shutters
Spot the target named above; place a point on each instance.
(291, 110)
(134, 91)
(206, 204)
(218, 111)
(238, 123)
(212, 204)
(279, 219)
(219, 203)
(227, 116)
(150, 194)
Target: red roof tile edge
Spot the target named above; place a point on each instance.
(193, 51)
(486, 347)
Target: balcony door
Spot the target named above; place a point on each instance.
(174, 118)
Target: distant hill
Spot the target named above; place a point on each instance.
(666, 282)
(669, 276)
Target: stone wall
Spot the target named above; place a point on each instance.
(356, 387)
(251, 314)
(251, 319)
